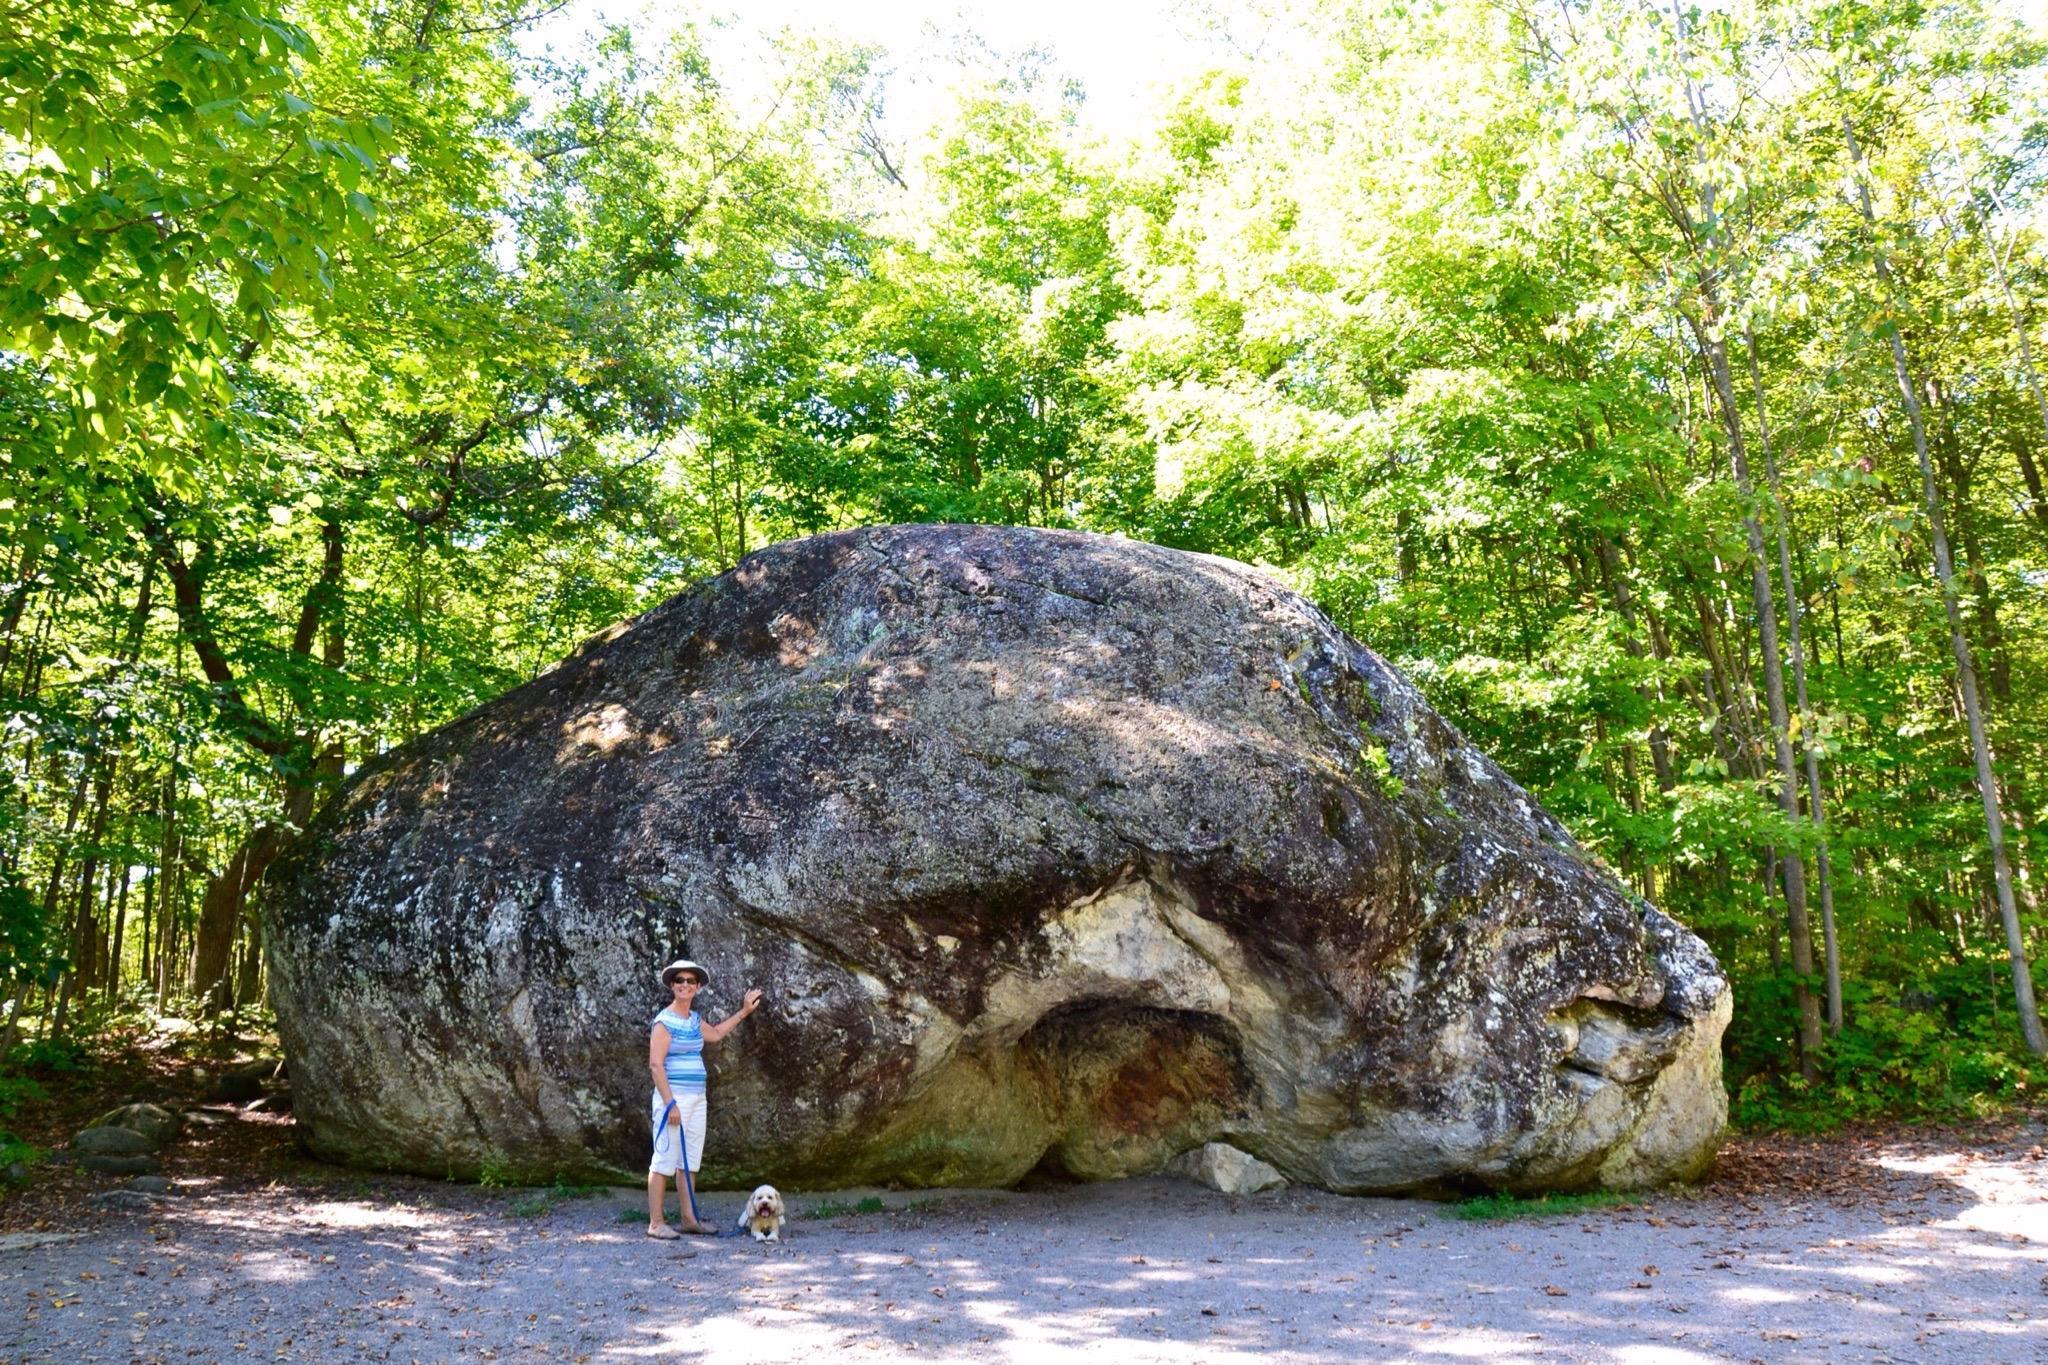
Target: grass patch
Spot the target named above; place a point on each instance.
(562, 1191)
(629, 1216)
(832, 1208)
(535, 1203)
(1501, 1208)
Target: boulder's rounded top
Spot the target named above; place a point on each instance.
(965, 721)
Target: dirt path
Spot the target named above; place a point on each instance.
(1910, 1248)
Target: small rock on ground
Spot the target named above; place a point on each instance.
(118, 1165)
(154, 1122)
(106, 1141)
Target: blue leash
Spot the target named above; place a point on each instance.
(683, 1164)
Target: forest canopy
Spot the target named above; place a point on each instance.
(1656, 384)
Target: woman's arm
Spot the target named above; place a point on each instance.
(713, 1032)
(657, 1060)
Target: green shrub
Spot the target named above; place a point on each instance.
(16, 1091)
(14, 1151)
(51, 1054)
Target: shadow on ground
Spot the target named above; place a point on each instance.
(1916, 1248)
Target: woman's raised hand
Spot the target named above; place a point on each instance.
(752, 999)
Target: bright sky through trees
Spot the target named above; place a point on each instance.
(1120, 51)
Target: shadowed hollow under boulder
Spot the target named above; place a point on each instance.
(1051, 851)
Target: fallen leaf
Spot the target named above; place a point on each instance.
(1556, 1291)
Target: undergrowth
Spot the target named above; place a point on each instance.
(1499, 1208)
(1937, 1051)
(833, 1208)
(14, 1154)
(537, 1202)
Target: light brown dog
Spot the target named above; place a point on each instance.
(763, 1214)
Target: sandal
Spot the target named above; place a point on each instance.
(700, 1230)
(667, 1234)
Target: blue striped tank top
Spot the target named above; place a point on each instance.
(685, 1061)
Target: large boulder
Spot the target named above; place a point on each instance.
(1047, 849)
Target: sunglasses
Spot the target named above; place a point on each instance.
(682, 980)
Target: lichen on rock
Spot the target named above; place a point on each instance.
(1049, 850)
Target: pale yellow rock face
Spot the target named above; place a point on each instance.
(1681, 1119)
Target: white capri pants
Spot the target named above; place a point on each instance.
(669, 1153)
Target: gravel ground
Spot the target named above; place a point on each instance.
(1913, 1248)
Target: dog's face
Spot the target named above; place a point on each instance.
(765, 1205)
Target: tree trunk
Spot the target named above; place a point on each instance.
(1624, 602)
(249, 976)
(1966, 672)
(166, 883)
(227, 891)
(1794, 614)
(1997, 662)
(2037, 496)
(220, 911)
(115, 947)
(17, 600)
(1794, 866)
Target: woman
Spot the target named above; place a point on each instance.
(675, 1054)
